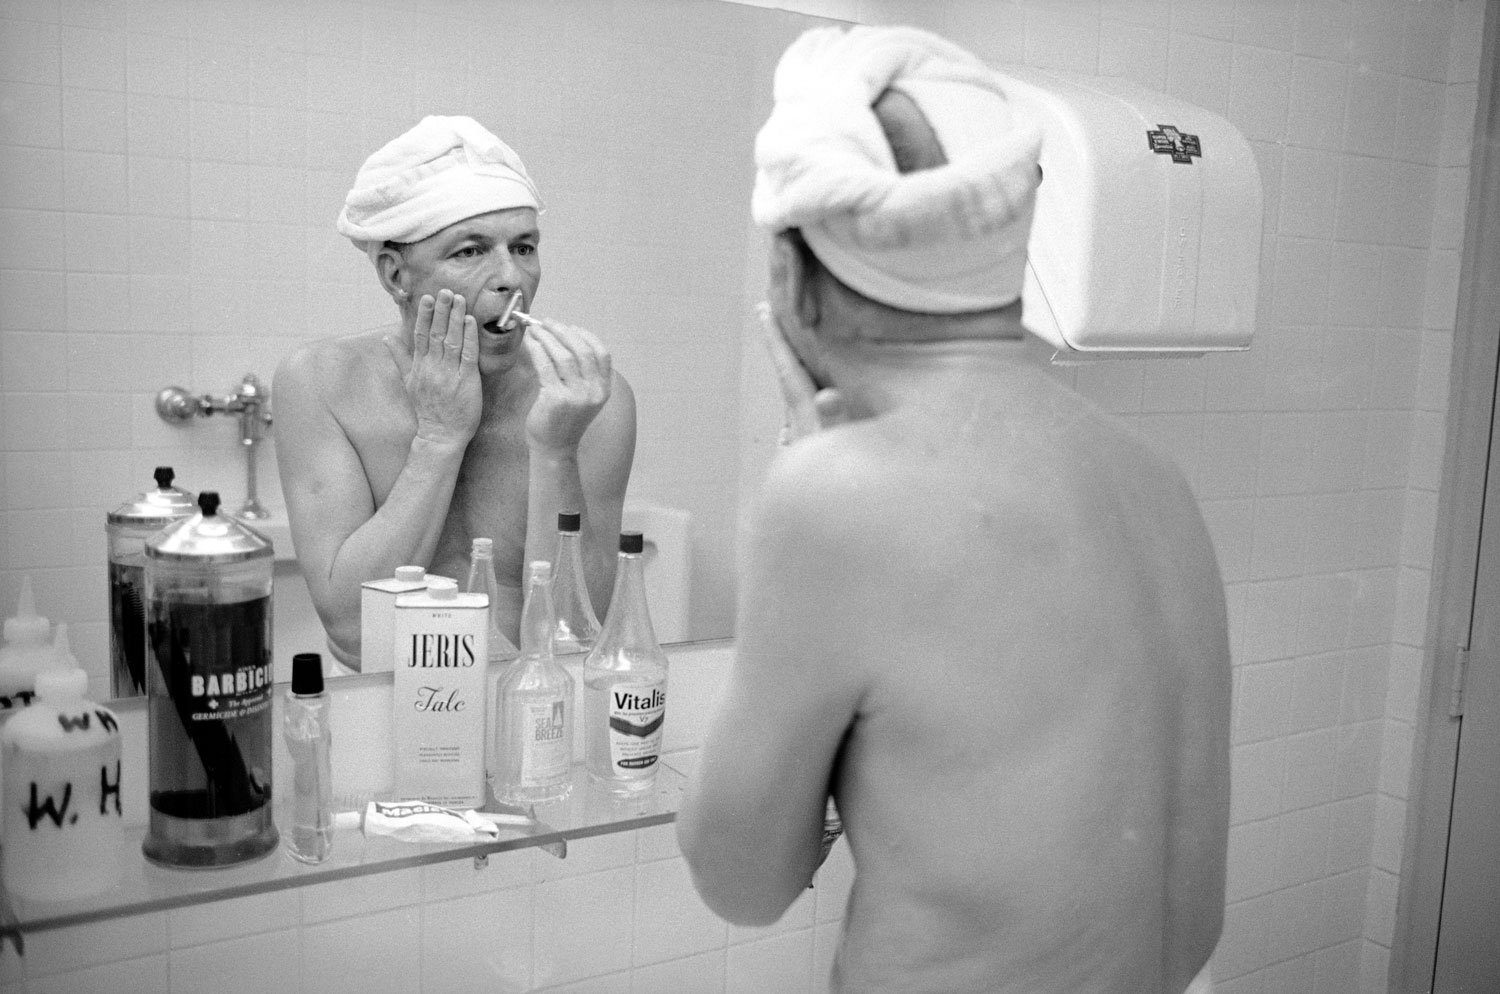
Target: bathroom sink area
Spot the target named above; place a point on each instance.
(144, 888)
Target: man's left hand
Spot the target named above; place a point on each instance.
(573, 373)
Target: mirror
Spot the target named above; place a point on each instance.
(171, 217)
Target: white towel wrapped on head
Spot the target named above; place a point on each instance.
(946, 240)
(440, 172)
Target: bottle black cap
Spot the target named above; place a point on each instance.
(569, 521)
(633, 543)
(307, 673)
(208, 503)
(164, 476)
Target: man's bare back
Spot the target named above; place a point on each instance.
(980, 614)
(1033, 775)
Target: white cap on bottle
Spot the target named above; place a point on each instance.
(411, 574)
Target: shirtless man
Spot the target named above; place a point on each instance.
(402, 444)
(979, 613)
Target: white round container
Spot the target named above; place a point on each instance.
(64, 816)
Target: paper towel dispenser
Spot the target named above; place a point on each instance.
(1146, 238)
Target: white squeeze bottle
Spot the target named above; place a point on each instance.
(26, 651)
(63, 813)
(534, 707)
(625, 683)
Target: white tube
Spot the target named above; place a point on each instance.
(416, 821)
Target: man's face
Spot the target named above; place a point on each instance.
(483, 258)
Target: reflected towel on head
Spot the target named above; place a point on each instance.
(944, 240)
(440, 172)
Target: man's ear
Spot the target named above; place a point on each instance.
(793, 289)
(391, 268)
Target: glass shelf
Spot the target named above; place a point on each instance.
(588, 811)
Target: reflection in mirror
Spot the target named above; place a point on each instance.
(175, 193)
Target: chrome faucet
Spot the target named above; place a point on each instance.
(251, 401)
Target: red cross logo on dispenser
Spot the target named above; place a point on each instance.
(1169, 141)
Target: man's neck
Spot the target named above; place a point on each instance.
(879, 376)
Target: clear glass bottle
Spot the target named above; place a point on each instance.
(309, 742)
(625, 683)
(482, 580)
(534, 704)
(577, 627)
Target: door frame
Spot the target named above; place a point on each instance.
(1471, 410)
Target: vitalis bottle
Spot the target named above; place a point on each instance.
(625, 683)
(208, 691)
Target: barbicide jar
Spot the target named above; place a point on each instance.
(209, 682)
(129, 527)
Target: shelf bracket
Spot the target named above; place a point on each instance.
(10, 926)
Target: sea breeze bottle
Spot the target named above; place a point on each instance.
(625, 684)
(534, 705)
(482, 581)
(309, 742)
(577, 627)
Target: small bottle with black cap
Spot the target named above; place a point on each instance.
(309, 741)
(577, 627)
(625, 684)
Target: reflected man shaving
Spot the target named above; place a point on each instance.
(401, 444)
(979, 613)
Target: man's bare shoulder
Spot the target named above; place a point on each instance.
(835, 489)
(330, 365)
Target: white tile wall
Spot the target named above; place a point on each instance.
(139, 199)
(168, 183)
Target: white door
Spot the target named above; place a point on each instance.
(1468, 950)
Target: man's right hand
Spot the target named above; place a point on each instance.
(808, 409)
(441, 373)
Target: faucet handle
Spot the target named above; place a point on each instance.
(250, 388)
(176, 406)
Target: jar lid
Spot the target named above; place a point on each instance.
(209, 537)
(157, 507)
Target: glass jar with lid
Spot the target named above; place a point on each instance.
(209, 682)
(129, 527)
